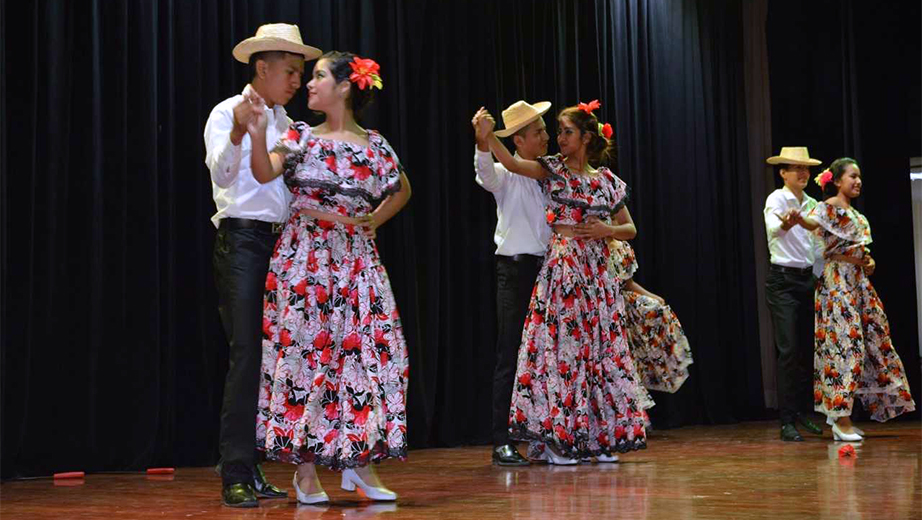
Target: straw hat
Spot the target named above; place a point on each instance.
(275, 37)
(793, 155)
(520, 114)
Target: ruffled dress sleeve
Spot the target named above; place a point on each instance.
(621, 192)
(388, 168)
(845, 224)
(553, 164)
(293, 144)
(622, 263)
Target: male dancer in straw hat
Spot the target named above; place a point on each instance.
(521, 237)
(249, 217)
(790, 285)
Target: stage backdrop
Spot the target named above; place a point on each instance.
(113, 357)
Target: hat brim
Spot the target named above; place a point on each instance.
(542, 107)
(778, 159)
(250, 46)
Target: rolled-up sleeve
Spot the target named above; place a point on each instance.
(222, 157)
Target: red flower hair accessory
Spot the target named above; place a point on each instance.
(823, 177)
(606, 130)
(590, 106)
(365, 73)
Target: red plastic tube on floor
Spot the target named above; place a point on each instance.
(69, 474)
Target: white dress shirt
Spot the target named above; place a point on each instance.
(795, 247)
(236, 192)
(521, 225)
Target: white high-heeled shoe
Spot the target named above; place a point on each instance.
(351, 479)
(607, 458)
(839, 435)
(558, 460)
(313, 498)
(830, 421)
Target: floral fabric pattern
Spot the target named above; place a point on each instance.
(335, 368)
(657, 341)
(853, 354)
(576, 387)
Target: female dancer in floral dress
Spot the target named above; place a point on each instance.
(658, 344)
(576, 388)
(335, 370)
(853, 356)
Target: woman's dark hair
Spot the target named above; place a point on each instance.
(838, 169)
(599, 149)
(339, 67)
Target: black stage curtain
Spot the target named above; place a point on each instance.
(113, 356)
(845, 81)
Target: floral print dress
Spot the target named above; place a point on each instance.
(654, 335)
(576, 387)
(853, 355)
(334, 368)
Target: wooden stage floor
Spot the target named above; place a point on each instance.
(720, 472)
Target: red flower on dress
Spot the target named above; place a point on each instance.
(590, 106)
(360, 415)
(293, 135)
(322, 339)
(352, 342)
(361, 172)
(321, 295)
(365, 73)
(294, 412)
(301, 287)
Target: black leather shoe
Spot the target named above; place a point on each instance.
(789, 433)
(809, 425)
(263, 488)
(507, 455)
(239, 495)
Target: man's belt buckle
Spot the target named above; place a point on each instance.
(277, 228)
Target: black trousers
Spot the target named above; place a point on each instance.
(790, 297)
(515, 280)
(241, 261)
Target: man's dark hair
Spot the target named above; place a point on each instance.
(268, 57)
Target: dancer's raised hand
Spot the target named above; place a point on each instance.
(483, 124)
(243, 115)
(258, 120)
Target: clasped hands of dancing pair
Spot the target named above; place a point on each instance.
(317, 353)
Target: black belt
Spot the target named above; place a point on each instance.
(522, 257)
(792, 270)
(246, 223)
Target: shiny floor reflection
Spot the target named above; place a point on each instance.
(722, 472)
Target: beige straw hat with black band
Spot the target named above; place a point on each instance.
(520, 114)
(793, 155)
(275, 37)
